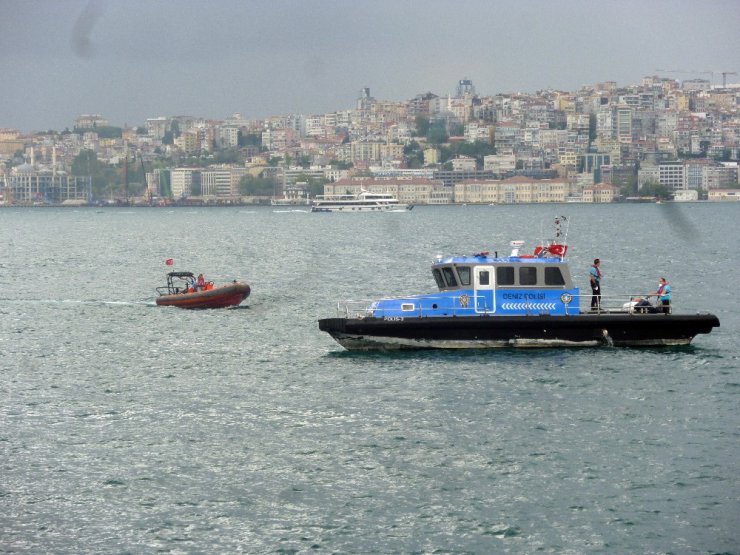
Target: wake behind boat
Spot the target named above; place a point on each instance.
(362, 202)
(521, 300)
(182, 290)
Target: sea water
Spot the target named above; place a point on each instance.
(131, 428)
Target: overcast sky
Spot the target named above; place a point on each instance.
(133, 59)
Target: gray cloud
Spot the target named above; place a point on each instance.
(82, 46)
(141, 58)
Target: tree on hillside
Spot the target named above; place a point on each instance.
(655, 189)
(422, 126)
(414, 155)
(476, 150)
(257, 186)
(437, 133)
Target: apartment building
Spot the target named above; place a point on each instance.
(463, 163)
(188, 142)
(672, 175)
(499, 163)
(365, 151)
(227, 136)
(185, 182)
(221, 182)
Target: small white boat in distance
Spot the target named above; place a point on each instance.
(362, 202)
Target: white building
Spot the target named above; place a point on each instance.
(221, 182)
(463, 163)
(690, 195)
(183, 181)
(499, 163)
(227, 136)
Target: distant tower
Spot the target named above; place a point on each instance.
(465, 87)
(364, 100)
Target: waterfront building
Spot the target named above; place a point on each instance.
(600, 192)
(514, 190)
(407, 190)
(185, 182)
(719, 177)
(690, 195)
(27, 184)
(221, 182)
(724, 195)
(672, 175)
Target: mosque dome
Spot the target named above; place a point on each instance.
(24, 168)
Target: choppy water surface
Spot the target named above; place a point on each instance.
(125, 427)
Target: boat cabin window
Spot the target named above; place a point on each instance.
(553, 276)
(405, 307)
(528, 275)
(463, 272)
(449, 276)
(505, 275)
(438, 278)
(484, 277)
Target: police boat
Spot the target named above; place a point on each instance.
(520, 300)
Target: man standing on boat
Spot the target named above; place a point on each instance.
(595, 277)
(664, 295)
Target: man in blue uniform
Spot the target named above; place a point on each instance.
(595, 279)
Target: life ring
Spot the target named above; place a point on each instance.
(566, 298)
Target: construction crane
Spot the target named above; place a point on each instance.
(724, 77)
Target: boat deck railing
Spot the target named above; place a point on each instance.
(579, 304)
(621, 303)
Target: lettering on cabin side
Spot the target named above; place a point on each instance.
(523, 296)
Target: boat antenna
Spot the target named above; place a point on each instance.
(558, 229)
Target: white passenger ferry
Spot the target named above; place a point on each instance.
(362, 202)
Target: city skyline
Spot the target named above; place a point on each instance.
(135, 60)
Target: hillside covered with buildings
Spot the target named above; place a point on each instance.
(662, 138)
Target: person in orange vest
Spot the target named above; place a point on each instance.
(664, 295)
(200, 285)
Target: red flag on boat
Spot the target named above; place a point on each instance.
(169, 262)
